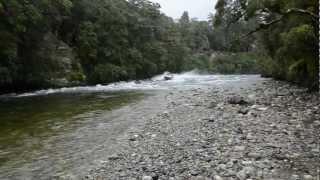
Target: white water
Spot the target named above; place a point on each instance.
(187, 79)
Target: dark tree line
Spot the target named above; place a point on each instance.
(47, 43)
(53, 43)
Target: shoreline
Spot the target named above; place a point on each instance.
(201, 135)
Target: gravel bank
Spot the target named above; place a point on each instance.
(258, 130)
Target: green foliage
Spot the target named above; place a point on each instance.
(200, 61)
(290, 46)
(235, 63)
(106, 73)
(113, 40)
(299, 49)
(100, 41)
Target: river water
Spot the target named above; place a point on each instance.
(64, 132)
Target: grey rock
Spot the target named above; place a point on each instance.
(147, 178)
(216, 177)
(246, 172)
(255, 155)
(114, 157)
(307, 177)
(239, 148)
(210, 119)
(195, 172)
(242, 175)
(243, 111)
(200, 178)
(221, 167)
(295, 177)
(237, 100)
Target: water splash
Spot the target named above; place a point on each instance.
(193, 78)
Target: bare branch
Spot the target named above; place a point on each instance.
(303, 12)
(285, 15)
(262, 27)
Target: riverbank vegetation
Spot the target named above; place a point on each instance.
(50, 43)
(283, 32)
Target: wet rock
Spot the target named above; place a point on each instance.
(167, 78)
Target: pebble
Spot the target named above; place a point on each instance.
(243, 111)
(216, 177)
(239, 148)
(114, 157)
(147, 178)
(307, 177)
(195, 172)
(295, 177)
(183, 145)
(246, 172)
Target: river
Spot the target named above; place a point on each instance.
(65, 132)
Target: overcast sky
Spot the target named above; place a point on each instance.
(196, 8)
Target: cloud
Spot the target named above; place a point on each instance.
(197, 8)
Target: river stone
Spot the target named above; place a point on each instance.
(237, 100)
(255, 155)
(194, 172)
(200, 178)
(262, 108)
(245, 173)
(243, 111)
(250, 136)
(216, 177)
(307, 177)
(114, 157)
(242, 175)
(221, 167)
(295, 177)
(147, 178)
(212, 105)
(239, 148)
(134, 138)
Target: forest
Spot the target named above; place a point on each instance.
(56, 43)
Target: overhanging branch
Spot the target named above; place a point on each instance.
(263, 26)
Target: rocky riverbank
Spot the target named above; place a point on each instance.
(258, 130)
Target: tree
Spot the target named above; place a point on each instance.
(286, 29)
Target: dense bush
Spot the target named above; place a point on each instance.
(106, 40)
(235, 63)
(285, 33)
